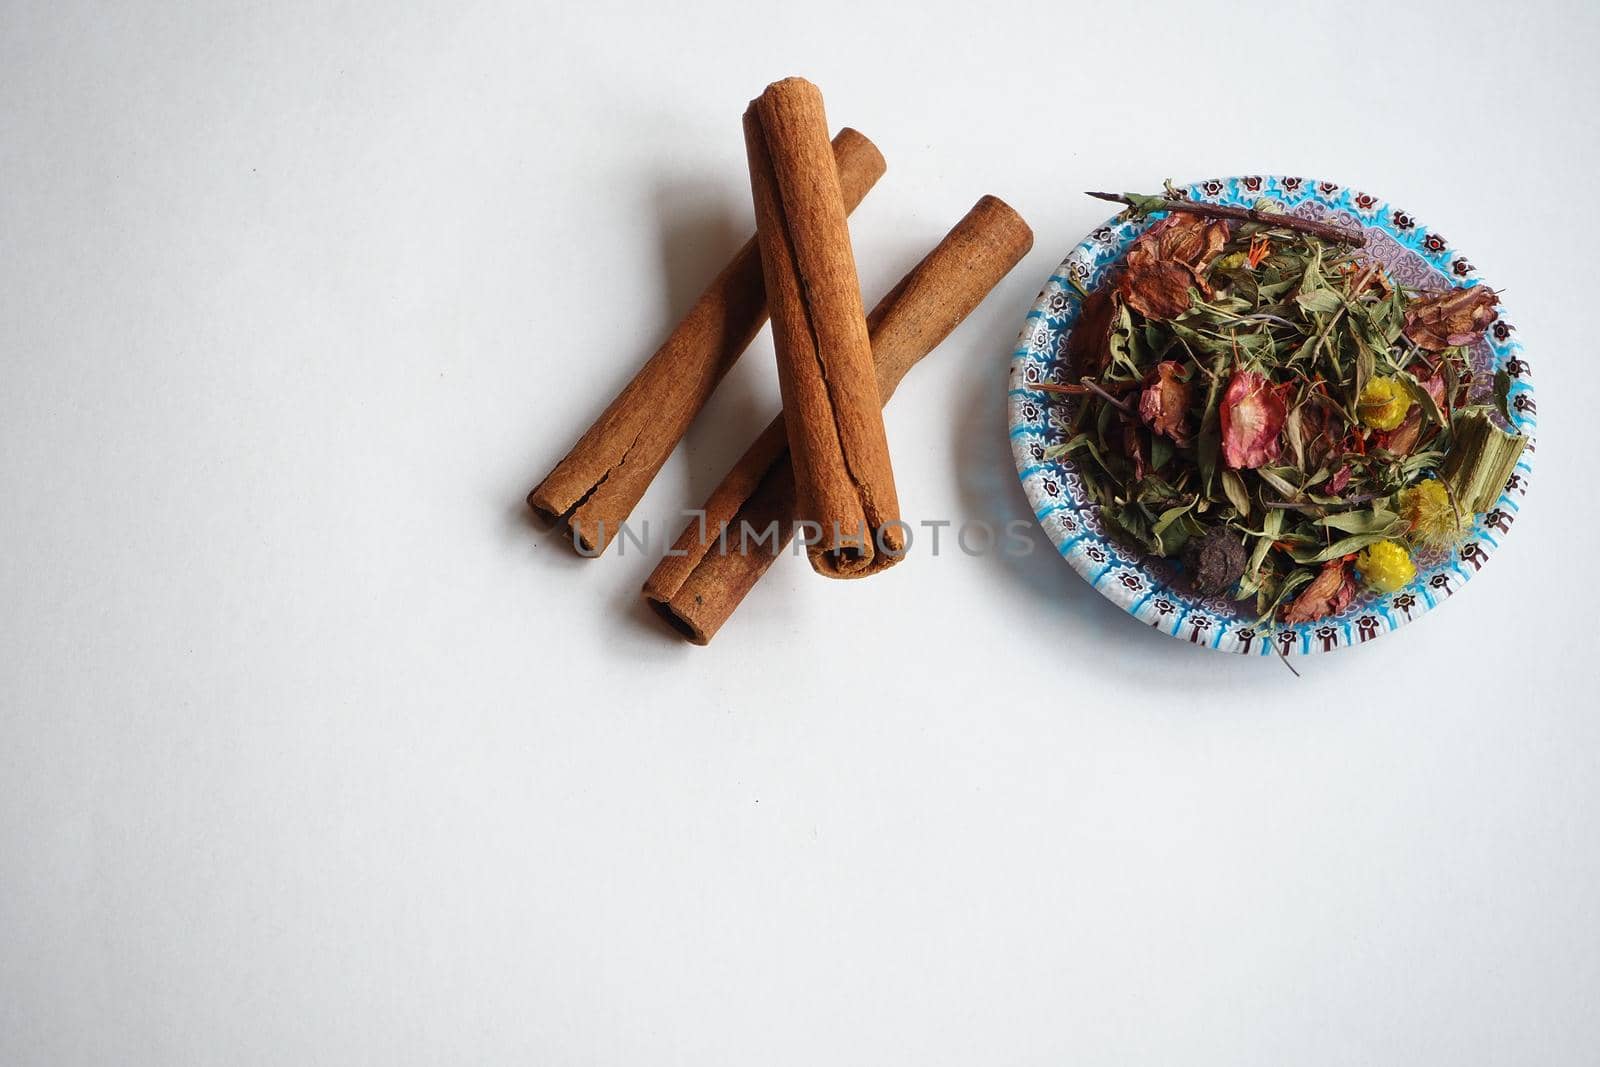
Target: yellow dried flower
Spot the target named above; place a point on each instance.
(1431, 515)
(1383, 404)
(1386, 566)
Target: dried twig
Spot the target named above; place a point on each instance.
(1084, 387)
(1325, 230)
(1312, 507)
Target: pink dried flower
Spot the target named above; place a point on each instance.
(1253, 411)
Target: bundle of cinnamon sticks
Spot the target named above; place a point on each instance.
(821, 467)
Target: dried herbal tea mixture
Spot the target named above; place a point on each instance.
(1259, 399)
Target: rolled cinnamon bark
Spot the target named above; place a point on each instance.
(710, 568)
(831, 410)
(600, 481)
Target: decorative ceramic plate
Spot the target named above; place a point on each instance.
(1152, 589)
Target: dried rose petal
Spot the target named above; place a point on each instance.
(1403, 438)
(1187, 239)
(1253, 411)
(1088, 345)
(1156, 289)
(1450, 317)
(1321, 431)
(1164, 404)
(1171, 256)
(1340, 479)
(1435, 387)
(1329, 593)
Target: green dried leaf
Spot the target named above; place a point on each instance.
(1342, 547)
(1421, 397)
(1160, 451)
(1275, 477)
(1318, 301)
(1272, 527)
(1294, 434)
(1237, 494)
(1367, 520)
(1502, 394)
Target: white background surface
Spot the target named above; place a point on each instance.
(314, 750)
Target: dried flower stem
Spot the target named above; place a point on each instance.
(1110, 398)
(1285, 221)
(1315, 508)
(1084, 388)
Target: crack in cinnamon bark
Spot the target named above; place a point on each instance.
(574, 518)
(803, 284)
(569, 519)
(864, 554)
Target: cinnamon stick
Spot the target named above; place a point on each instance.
(831, 410)
(595, 488)
(713, 564)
